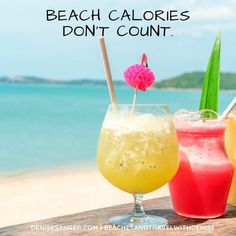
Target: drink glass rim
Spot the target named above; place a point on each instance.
(162, 105)
(192, 120)
(196, 116)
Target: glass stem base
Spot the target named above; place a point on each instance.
(148, 222)
(138, 219)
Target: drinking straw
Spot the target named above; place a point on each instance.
(228, 109)
(108, 72)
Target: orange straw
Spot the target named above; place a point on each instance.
(108, 72)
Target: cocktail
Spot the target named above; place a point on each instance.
(230, 141)
(137, 149)
(201, 186)
(138, 153)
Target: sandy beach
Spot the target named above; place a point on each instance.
(34, 196)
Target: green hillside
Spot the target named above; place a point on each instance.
(185, 81)
(195, 80)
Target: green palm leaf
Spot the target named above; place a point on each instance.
(211, 86)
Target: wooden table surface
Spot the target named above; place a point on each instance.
(96, 223)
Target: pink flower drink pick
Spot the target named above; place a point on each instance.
(139, 76)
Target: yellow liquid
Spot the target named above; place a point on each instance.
(231, 151)
(138, 161)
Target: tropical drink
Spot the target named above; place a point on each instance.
(230, 141)
(137, 152)
(201, 186)
(137, 149)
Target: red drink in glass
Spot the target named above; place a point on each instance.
(201, 185)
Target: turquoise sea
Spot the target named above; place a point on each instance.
(53, 126)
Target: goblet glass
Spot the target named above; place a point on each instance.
(138, 153)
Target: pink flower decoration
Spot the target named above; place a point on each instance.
(139, 77)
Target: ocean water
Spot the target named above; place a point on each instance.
(44, 127)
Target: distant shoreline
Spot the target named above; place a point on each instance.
(187, 81)
(104, 86)
(192, 89)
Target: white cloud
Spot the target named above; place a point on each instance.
(217, 12)
(205, 16)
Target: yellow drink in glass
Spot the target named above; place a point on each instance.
(138, 161)
(230, 141)
(138, 153)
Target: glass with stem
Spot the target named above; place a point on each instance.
(138, 153)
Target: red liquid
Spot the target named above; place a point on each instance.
(201, 185)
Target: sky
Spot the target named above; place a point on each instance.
(30, 45)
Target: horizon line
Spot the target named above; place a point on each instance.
(98, 79)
